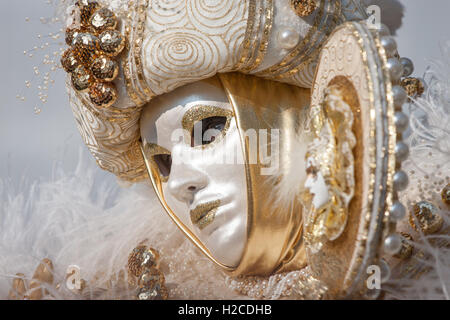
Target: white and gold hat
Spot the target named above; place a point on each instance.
(172, 43)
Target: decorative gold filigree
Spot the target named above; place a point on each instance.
(413, 86)
(330, 169)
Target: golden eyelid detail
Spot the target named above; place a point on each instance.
(151, 150)
(201, 112)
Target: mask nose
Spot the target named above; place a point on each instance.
(185, 181)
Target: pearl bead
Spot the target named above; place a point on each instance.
(400, 181)
(385, 271)
(400, 96)
(401, 121)
(392, 244)
(395, 69)
(408, 66)
(398, 211)
(389, 45)
(288, 38)
(401, 151)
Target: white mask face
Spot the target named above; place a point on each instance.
(198, 152)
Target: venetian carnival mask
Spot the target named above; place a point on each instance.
(220, 192)
(270, 134)
(192, 146)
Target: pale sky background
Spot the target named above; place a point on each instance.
(30, 144)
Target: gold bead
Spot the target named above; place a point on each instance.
(69, 61)
(303, 8)
(103, 19)
(445, 194)
(151, 277)
(87, 9)
(71, 33)
(103, 95)
(81, 79)
(134, 261)
(157, 292)
(105, 69)
(413, 86)
(86, 46)
(427, 216)
(407, 248)
(112, 42)
(141, 258)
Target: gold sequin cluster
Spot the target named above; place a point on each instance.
(413, 86)
(303, 8)
(143, 263)
(94, 44)
(426, 218)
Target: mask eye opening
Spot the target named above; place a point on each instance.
(160, 159)
(164, 164)
(209, 130)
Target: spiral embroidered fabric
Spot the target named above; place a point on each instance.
(175, 42)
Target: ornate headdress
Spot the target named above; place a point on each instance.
(171, 43)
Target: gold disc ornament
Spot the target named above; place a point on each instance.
(353, 152)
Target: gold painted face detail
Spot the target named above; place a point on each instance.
(330, 166)
(239, 247)
(203, 115)
(211, 122)
(203, 215)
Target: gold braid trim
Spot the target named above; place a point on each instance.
(256, 41)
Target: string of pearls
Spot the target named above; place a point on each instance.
(423, 218)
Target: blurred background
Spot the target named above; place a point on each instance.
(33, 144)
